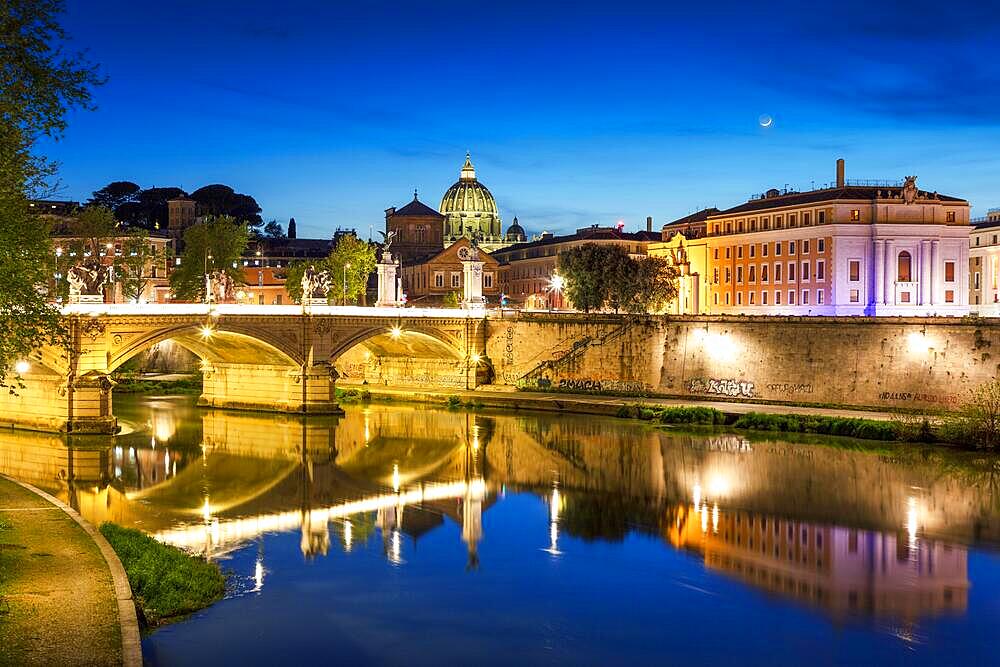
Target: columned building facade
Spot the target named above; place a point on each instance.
(843, 250)
(984, 266)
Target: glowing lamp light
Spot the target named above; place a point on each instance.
(396, 332)
(557, 282)
(475, 358)
(22, 367)
(207, 331)
(919, 342)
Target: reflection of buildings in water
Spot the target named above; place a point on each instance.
(843, 571)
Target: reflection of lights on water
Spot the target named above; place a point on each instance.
(206, 511)
(118, 471)
(348, 534)
(368, 435)
(166, 462)
(258, 575)
(911, 522)
(152, 442)
(704, 518)
(131, 454)
(395, 548)
(718, 486)
(395, 477)
(697, 496)
(555, 504)
(715, 518)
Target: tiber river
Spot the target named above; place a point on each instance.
(406, 535)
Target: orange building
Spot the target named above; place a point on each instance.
(428, 280)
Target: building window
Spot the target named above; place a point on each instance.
(805, 298)
(739, 298)
(949, 272)
(277, 300)
(763, 298)
(903, 263)
(715, 298)
(855, 214)
(739, 275)
(819, 297)
(727, 253)
(791, 298)
(820, 270)
(820, 245)
(777, 273)
(791, 271)
(739, 252)
(715, 254)
(821, 217)
(753, 250)
(904, 297)
(805, 271)
(753, 225)
(855, 296)
(751, 297)
(487, 280)
(716, 231)
(727, 298)
(949, 216)
(763, 273)
(805, 219)
(975, 279)
(729, 275)
(438, 279)
(715, 276)
(729, 228)
(777, 298)
(753, 273)
(763, 249)
(791, 247)
(777, 222)
(977, 240)
(791, 219)
(949, 296)
(456, 279)
(777, 249)
(854, 270)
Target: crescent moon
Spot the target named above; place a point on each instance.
(766, 121)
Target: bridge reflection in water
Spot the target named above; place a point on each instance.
(845, 531)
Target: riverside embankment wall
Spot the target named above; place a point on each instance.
(871, 362)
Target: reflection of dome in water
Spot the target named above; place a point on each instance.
(469, 208)
(515, 233)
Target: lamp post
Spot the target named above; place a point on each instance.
(555, 286)
(346, 266)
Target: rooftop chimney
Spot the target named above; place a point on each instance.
(649, 223)
(840, 173)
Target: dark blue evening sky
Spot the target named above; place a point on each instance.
(575, 113)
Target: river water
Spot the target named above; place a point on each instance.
(401, 534)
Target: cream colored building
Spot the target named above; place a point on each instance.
(984, 266)
(690, 258)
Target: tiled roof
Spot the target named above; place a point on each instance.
(585, 234)
(850, 192)
(417, 207)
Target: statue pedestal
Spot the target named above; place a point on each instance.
(315, 301)
(86, 298)
(388, 287)
(472, 274)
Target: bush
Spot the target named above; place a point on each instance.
(852, 427)
(166, 582)
(689, 415)
(191, 385)
(978, 421)
(453, 401)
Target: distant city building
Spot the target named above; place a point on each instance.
(984, 265)
(470, 211)
(419, 230)
(849, 249)
(528, 268)
(692, 226)
(265, 267)
(54, 209)
(181, 214)
(428, 280)
(155, 272)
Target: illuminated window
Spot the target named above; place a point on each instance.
(903, 264)
(949, 296)
(855, 296)
(854, 270)
(949, 272)
(855, 214)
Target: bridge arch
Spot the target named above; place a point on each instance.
(396, 341)
(215, 343)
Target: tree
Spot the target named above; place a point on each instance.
(83, 241)
(653, 285)
(451, 300)
(114, 194)
(273, 230)
(39, 83)
(215, 244)
(149, 208)
(617, 271)
(582, 268)
(221, 199)
(133, 266)
(349, 263)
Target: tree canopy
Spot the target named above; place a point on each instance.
(606, 276)
(349, 263)
(39, 83)
(148, 208)
(215, 244)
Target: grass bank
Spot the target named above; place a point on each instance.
(851, 427)
(192, 385)
(167, 583)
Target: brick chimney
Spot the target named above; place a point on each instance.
(840, 173)
(649, 223)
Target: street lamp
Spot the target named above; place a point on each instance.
(346, 266)
(555, 286)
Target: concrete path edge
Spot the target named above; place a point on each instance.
(127, 619)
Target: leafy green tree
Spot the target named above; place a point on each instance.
(653, 285)
(215, 244)
(273, 230)
(350, 253)
(617, 270)
(583, 270)
(113, 195)
(84, 240)
(133, 267)
(451, 300)
(39, 83)
(221, 199)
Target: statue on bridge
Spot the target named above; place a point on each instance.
(315, 286)
(85, 282)
(218, 287)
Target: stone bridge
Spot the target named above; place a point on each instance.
(276, 358)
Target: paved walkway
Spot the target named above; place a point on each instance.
(57, 598)
(592, 404)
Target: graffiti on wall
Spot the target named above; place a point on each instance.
(623, 386)
(722, 387)
(787, 388)
(917, 397)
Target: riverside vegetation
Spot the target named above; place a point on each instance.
(167, 583)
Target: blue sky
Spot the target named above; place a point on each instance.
(575, 113)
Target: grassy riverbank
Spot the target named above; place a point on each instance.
(167, 583)
(182, 386)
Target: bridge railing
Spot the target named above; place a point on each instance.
(153, 309)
